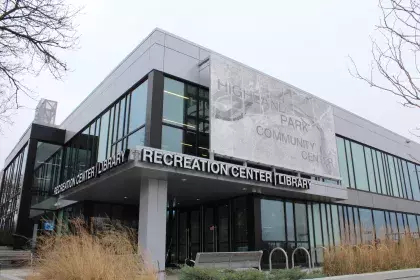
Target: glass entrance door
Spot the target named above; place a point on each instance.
(216, 229)
(188, 235)
(223, 228)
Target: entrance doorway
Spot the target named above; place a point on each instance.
(206, 228)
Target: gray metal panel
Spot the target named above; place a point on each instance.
(181, 65)
(373, 200)
(147, 56)
(181, 46)
(110, 91)
(204, 54)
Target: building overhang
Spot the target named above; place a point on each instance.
(187, 186)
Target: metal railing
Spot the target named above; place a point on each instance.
(271, 254)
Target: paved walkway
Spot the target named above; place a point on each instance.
(14, 273)
(21, 273)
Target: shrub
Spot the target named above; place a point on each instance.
(110, 255)
(197, 273)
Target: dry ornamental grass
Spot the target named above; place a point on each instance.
(110, 255)
(383, 255)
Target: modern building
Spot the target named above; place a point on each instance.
(202, 153)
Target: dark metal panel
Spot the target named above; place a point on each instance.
(24, 223)
(153, 129)
(48, 134)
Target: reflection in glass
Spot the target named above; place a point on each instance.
(138, 107)
(301, 225)
(103, 137)
(342, 161)
(366, 224)
(359, 166)
(180, 103)
(136, 139)
(178, 140)
(350, 163)
(272, 220)
(370, 169)
(414, 181)
(290, 222)
(380, 225)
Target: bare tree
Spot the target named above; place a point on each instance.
(32, 33)
(395, 51)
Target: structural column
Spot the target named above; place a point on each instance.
(152, 222)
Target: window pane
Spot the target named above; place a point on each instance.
(401, 226)
(401, 188)
(311, 227)
(394, 225)
(324, 226)
(103, 137)
(359, 166)
(116, 119)
(138, 107)
(412, 223)
(111, 124)
(329, 223)
(413, 180)
(318, 231)
(353, 228)
(342, 161)
(136, 139)
(370, 169)
(301, 222)
(272, 220)
(335, 224)
(178, 140)
(393, 177)
(180, 104)
(380, 226)
(203, 145)
(366, 224)
(290, 222)
(406, 179)
(349, 163)
(381, 168)
(121, 119)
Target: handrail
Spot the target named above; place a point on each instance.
(307, 253)
(317, 247)
(285, 254)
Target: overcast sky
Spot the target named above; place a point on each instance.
(305, 43)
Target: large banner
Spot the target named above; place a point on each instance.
(257, 118)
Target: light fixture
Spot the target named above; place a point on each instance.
(198, 199)
(183, 179)
(125, 197)
(244, 189)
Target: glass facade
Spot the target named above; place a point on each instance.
(120, 127)
(46, 171)
(316, 225)
(11, 191)
(185, 118)
(368, 169)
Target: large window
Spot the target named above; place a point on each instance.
(359, 164)
(368, 169)
(118, 128)
(185, 118)
(11, 190)
(272, 220)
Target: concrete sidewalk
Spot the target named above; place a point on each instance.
(14, 273)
